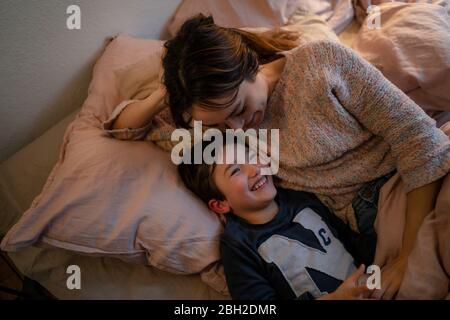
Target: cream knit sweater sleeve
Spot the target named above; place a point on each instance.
(422, 151)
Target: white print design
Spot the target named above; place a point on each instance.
(293, 257)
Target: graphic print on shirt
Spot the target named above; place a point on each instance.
(293, 257)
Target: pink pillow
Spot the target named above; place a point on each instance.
(419, 67)
(263, 13)
(119, 198)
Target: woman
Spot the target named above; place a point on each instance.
(344, 128)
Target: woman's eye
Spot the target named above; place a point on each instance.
(242, 111)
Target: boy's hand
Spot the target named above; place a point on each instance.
(350, 289)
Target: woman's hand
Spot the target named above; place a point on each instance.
(157, 98)
(350, 289)
(391, 279)
(141, 112)
(161, 90)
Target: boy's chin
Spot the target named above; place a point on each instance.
(270, 188)
(267, 194)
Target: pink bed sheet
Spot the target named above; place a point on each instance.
(428, 270)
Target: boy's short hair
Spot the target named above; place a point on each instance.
(199, 177)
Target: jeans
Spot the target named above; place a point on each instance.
(365, 204)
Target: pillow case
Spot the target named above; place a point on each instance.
(263, 13)
(115, 198)
(419, 68)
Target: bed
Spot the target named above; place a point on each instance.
(23, 176)
(102, 278)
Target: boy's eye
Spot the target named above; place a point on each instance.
(235, 170)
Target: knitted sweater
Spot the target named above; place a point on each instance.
(341, 124)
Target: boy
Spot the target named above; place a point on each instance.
(278, 243)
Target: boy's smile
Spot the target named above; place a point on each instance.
(261, 183)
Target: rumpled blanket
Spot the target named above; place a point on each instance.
(428, 271)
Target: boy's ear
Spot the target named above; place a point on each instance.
(218, 206)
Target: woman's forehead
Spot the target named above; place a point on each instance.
(213, 116)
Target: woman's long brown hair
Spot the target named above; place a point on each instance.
(204, 62)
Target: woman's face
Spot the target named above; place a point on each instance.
(247, 111)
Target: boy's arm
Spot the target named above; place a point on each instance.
(350, 289)
(244, 280)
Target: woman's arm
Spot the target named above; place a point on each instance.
(139, 113)
(421, 150)
(420, 202)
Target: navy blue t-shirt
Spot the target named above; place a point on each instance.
(302, 253)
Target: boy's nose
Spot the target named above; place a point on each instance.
(259, 163)
(253, 170)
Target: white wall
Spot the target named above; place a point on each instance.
(45, 68)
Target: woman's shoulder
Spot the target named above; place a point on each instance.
(321, 51)
(320, 61)
(310, 61)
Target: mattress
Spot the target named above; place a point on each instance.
(22, 178)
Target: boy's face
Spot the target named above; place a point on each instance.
(244, 188)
